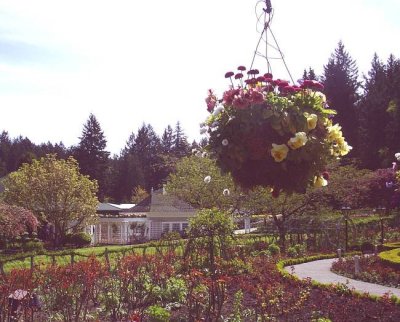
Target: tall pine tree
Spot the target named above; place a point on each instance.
(341, 88)
(379, 114)
(181, 146)
(91, 154)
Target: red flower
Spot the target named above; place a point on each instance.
(256, 97)
(268, 75)
(241, 68)
(251, 81)
(260, 79)
(238, 76)
(229, 74)
(275, 192)
(253, 72)
(325, 175)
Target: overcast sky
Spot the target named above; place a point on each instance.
(130, 62)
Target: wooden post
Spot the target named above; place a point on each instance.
(339, 252)
(2, 268)
(356, 265)
(107, 258)
(53, 260)
(72, 258)
(32, 262)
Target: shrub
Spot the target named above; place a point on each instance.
(80, 239)
(274, 249)
(292, 252)
(367, 246)
(158, 314)
(33, 246)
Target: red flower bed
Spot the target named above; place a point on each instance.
(373, 270)
(92, 291)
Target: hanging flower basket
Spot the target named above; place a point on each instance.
(266, 132)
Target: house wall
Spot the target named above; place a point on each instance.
(115, 230)
(158, 225)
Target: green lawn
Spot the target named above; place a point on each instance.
(115, 252)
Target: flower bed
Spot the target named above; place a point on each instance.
(373, 270)
(142, 288)
(266, 132)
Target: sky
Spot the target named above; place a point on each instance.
(133, 62)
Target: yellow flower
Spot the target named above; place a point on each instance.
(320, 182)
(279, 152)
(334, 132)
(299, 140)
(312, 121)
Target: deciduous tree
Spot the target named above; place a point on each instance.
(55, 191)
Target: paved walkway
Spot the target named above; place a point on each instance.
(320, 272)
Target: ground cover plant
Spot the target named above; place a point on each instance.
(372, 270)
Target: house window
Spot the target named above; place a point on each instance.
(165, 227)
(174, 226)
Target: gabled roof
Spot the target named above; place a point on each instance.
(142, 206)
(106, 207)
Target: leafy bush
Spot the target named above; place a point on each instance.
(274, 249)
(80, 239)
(33, 246)
(367, 246)
(391, 257)
(158, 314)
(292, 252)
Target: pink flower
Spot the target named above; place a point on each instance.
(240, 103)
(238, 76)
(241, 68)
(229, 74)
(229, 96)
(256, 97)
(211, 101)
(251, 81)
(268, 75)
(253, 72)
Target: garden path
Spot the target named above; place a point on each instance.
(320, 271)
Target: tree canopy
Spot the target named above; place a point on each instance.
(55, 191)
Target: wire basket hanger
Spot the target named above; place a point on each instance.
(264, 19)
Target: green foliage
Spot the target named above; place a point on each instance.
(157, 313)
(33, 246)
(391, 257)
(80, 239)
(274, 249)
(55, 192)
(292, 252)
(188, 183)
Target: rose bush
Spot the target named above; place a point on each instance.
(267, 132)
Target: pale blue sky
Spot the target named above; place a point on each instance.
(130, 62)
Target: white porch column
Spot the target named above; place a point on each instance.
(108, 233)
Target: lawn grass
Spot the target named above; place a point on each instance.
(115, 252)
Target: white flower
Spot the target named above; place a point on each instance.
(397, 156)
(194, 151)
(204, 155)
(226, 192)
(225, 142)
(207, 179)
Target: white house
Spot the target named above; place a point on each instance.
(157, 214)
